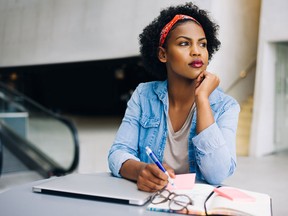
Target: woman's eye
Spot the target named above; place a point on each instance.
(203, 45)
(184, 43)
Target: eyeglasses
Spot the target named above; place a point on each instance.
(177, 202)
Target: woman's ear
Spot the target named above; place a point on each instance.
(162, 55)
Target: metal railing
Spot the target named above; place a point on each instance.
(243, 87)
(43, 140)
(243, 74)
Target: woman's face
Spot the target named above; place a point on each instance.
(186, 53)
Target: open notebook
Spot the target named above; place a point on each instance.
(95, 186)
(223, 201)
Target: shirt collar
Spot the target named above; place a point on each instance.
(161, 89)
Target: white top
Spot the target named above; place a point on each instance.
(176, 149)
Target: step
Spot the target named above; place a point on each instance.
(246, 107)
(243, 133)
(244, 127)
(242, 124)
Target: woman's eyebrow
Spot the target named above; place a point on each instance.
(188, 38)
(185, 37)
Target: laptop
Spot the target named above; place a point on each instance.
(102, 186)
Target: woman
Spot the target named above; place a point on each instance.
(187, 121)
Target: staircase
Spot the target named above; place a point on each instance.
(244, 127)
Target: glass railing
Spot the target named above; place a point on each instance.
(41, 139)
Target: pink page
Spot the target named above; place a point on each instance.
(183, 182)
(234, 194)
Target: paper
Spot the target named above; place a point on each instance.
(234, 194)
(217, 205)
(183, 182)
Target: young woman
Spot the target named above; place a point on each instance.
(187, 121)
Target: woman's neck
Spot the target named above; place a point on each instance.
(181, 93)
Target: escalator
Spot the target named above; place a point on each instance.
(35, 138)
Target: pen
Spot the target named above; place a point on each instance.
(153, 157)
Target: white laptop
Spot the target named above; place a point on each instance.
(103, 186)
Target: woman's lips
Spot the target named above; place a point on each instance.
(196, 64)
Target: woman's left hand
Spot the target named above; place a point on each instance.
(206, 83)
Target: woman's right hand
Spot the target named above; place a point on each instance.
(148, 176)
(152, 179)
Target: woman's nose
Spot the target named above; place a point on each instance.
(195, 51)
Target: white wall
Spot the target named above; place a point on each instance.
(51, 31)
(273, 28)
(239, 21)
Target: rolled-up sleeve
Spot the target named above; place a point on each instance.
(215, 146)
(125, 145)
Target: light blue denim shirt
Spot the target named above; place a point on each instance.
(212, 152)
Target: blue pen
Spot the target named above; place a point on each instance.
(153, 157)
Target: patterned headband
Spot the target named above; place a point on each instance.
(169, 25)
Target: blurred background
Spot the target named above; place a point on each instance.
(68, 68)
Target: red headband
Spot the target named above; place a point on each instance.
(169, 25)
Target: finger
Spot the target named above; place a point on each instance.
(211, 75)
(158, 173)
(145, 188)
(152, 177)
(148, 182)
(211, 78)
(169, 170)
(218, 79)
(208, 75)
(199, 79)
(214, 79)
(147, 185)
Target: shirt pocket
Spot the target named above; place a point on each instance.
(149, 122)
(149, 135)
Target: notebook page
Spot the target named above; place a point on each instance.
(261, 205)
(198, 195)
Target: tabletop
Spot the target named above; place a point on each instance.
(21, 200)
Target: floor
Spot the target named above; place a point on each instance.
(267, 174)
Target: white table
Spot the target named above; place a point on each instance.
(21, 201)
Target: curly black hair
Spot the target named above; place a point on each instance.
(149, 38)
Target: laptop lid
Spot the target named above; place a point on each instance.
(101, 186)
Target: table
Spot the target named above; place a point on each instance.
(21, 201)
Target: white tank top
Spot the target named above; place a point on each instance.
(176, 149)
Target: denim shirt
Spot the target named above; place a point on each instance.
(211, 153)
